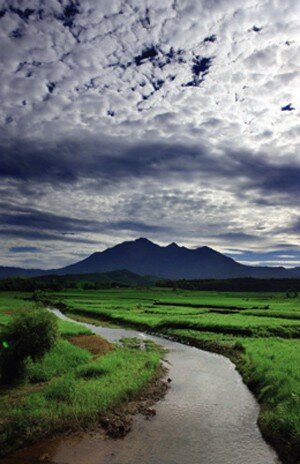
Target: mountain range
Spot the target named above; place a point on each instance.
(144, 257)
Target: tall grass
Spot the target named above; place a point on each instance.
(68, 329)
(79, 399)
(60, 360)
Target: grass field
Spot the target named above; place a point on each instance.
(73, 385)
(258, 331)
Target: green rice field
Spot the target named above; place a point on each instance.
(258, 331)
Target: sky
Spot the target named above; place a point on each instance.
(175, 120)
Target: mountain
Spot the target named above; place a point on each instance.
(6, 272)
(120, 277)
(144, 257)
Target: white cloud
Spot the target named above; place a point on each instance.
(119, 71)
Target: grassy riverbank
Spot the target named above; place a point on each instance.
(259, 332)
(74, 386)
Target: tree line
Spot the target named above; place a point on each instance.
(245, 284)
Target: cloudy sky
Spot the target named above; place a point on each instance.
(176, 120)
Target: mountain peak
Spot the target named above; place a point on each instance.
(143, 243)
(207, 248)
(173, 245)
(143, 240)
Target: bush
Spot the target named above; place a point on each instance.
(30, 334)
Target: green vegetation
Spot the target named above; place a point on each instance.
(112, 279)
(241, 284)
(67, 328)
(258, 331)
(60, 360)
(70, 387)
(126, 279)
(29, 334)
(13, 302)
(10, 302)
(79, 397)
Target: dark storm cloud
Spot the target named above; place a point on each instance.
(18, 221)
(271, 177)
(288, 257)
(293, 227)
(137, 227)
(30, 218)
(238, 237)
(24, 249)
(31, 224)
(70, 162)
(287, 246)
(28, 234)
(111, 163)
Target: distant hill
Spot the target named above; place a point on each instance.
(6, 272)
(144, 257)
(105, 280)
(118, 277)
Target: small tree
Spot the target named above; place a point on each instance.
(31, 333)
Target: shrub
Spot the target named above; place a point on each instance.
(30, 334)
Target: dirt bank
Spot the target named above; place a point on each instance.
(116, 423)
(93, 343)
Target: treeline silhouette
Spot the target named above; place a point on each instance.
(244, 284)
(98, 281)
(126, 279)
(54, 284)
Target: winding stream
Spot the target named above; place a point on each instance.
(207, 417)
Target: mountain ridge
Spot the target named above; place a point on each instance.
(144, 257)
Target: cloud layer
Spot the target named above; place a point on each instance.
(175, 120)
